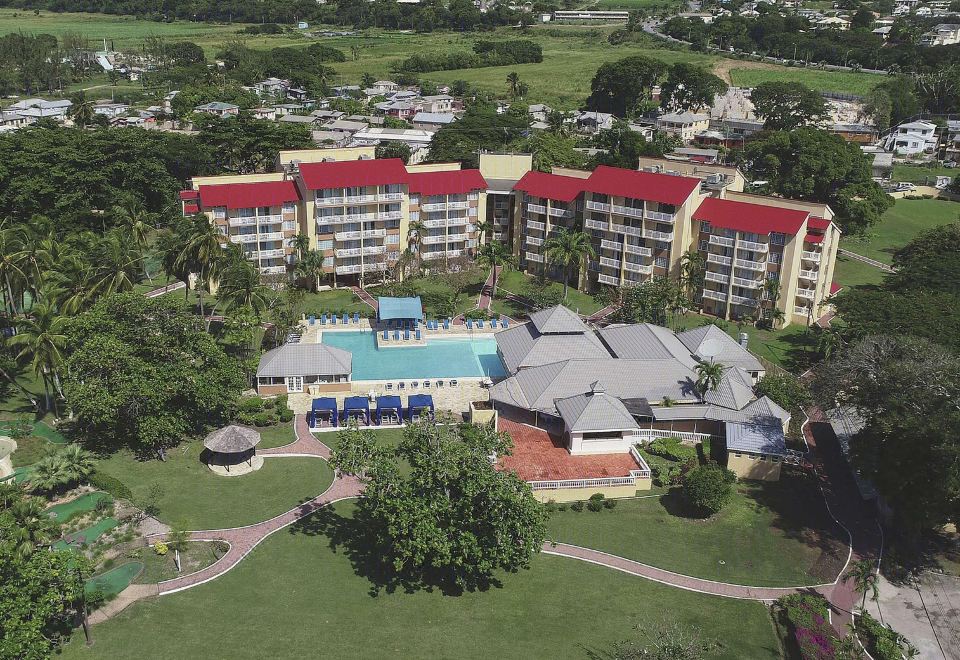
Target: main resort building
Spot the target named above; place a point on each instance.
(362, 213)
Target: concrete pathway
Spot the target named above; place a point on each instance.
(924, 612)
(128, 596)
(175, 286)
(867, 260)
(603, 313)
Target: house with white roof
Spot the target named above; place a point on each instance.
(685, 125)
(912, 138)
(944, 34)
(218, 109)
(40, 108)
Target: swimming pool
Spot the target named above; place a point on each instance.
(440, 358)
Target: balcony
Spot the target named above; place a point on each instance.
(458, 205)
(811, 256)
(610, 263)
(347, 252)
(719, 259)
(594, 224)
(629, 248)
(536, 208)
(390, 197)
(747, 283)
(720, 240)
(374, 249)
(710, 276)
(244, 238)
(373, 233)
(753, 246)
(533, 256)
(743, 300)
(439, 254)
(360, 199)
(611, 245)
(607, 279)
(637, 268)
(360, 268)
(531, 240)
(626, 229)
(434, 239)
(265, 254)
(715, 295)
(331, 219)
(433, 207)
(329, 201)
(800, 311)
(241, 222)
(271, 236)
(389, 215)
(806, 293)
(533, 224)
(628, 211)
(433, 224)
(598, 206)
(457, 237)
(273, 270)
(750, 265)
(658, 235)
(347, 235)
(561, 213)
(359, 217)
(660, 217)
(809, 274)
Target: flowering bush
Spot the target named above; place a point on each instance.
(806, 618)
(161, 548)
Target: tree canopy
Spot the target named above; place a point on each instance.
(480, 127)
(689, 87)
(143, 373)
(786, 105)
(618, 87)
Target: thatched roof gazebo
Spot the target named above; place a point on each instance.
(231, 451)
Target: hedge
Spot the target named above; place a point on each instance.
(111, 485)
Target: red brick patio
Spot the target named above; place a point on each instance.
(541, 456)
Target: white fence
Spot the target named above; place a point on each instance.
(653, 434)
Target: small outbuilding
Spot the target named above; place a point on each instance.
(304, 367)
(402, 312)
(756, 450)
(232, 450)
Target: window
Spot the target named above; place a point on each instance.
(775, 257)
(661, 262)
(705, 227)
(325, 244)
(777, 238)
(704, 246)
(220, 213)
(662, 245)
(773, 276)
(392, 239)
(328, 262)
(289, 207)
(327, 193)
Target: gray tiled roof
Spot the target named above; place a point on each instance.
(756, 438)
(557, 319)
(305, 360)
(732, 354)
(522, 346)
(731, 392)
(645, 341)
(594, 411)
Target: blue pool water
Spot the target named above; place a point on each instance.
(440, 358)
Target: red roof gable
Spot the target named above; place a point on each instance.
(755, 218)
(353, 173)
(248, 195)
(813, 238)
(834, 287)
(662, 188)
(551, 186)
(190, 209)
(450, 182)
(817, 223)
(189, 194)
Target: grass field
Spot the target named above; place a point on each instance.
(827, 81)
(311, 599)
(333, 301)
(520, 283)
(899, 225)
(851, 272)
(196, 498)
(921, 174)
(771, 535)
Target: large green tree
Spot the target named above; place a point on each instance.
(479, 128)
(453, 520)
(244, 145)
(786, 105)
(689, 87)
(619, 87)
(567, 249)
(811, 164)
(144, 373)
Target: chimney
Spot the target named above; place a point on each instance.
(744, 339)
(596, 388)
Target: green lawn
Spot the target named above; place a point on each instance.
(312, 601)
(851, 272)
(827, 81)
(198, 555)
(435, 286)
(520, 283)
(195, 497)
(899, 225)
(921, 174)
(276, 436)
(334, 301)
(770, 535)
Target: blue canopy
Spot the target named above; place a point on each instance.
(417, 403)
(389, 403)
(324, 404)
(409, 309)
(355, 404)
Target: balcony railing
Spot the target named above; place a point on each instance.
(329, 201)
(439, 254)
(806, 293)
(374, 233)
(753, 246)
(607, 279)
(809, 275)
(347, 252)
(265, 254)
(598, 206)
(374, 249)
(533, 256)
(271, 236)
(715, 295)
(532, 240)
(389, 197)
(610, 263)
(594, 224)
(750, 265)
(628, 211)
(561, 213)
(747, 283)
(611, 245)
(629, 248)
(811, 256)
(244, 238)
(710, 276)
(273, 270)
(626, 229)
(241, 222)
(720, 240)
(660, 217)
(533, 224)
(442, 206)
(359, 217)
(434, 240)
(719, 259)
(743, 300)
(433, 224)
(658, 235)
(347, 235)
(638, 268)
(536, 208)
(360, 199)
(389, 215)
(457, 237)
(800, 311)
(458, 205)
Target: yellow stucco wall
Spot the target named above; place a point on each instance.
(318, 155)
(748, 466)
(505, 166)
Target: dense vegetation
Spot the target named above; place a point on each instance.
(485, 53)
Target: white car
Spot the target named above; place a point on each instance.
(903, 186)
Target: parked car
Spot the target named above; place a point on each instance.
(904, 186)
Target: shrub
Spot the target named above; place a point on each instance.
(262, 419)
(161, 548)
(708, 488)
(609, 504)
(109, 484)
(280, 403)
(882, 643)
(550, 506)
(477, 314)
(595, 503)
(577, 506)
(251, 404)
(286, 415)
(672, 448)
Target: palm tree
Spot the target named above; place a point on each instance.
(41, 339)
(51, 473)
(771, 292)
(70, 284)
(11, 269)
(523, 89)
(32, 526)
(203, 249)
(494, 255)
(484, 228)
(312, 268)
(709, 375)
(566, 249)
(240, 286)
(82, 111)
(116, 268)
(513, 82)
(415, 233)
(828, 341)
(692, 270)
(300, 243)
(78, 460)
(864, 579)
(136, 220)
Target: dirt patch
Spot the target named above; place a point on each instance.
(723, 66)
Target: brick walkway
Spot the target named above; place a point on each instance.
(175, 286)
(366, 297)
(603, 313)
(486, 291)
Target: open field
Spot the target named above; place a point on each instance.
(899, 225)
(309, 596)
(922, 174)
(826, 81)
(851, 272)
(772, 535)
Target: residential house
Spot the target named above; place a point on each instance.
(944, 34)
(272, 87)
(593, 122)
(218, 109)
(684, 125)
(439, 103)
(833, 23)
(110, 110)
(304, 367)
(912, 138)
(42, 108)
(433, 121)
(539, 111)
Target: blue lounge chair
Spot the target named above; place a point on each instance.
(396, 335)
(480, 323)
(503, 323)
(469, 324)
(323, 319)
(344, 320)
(493, 324)
(446, 324)
(356, 317)
(333, 319)
(386, 335)
(418, 334)
(406, 334)
(313, 319)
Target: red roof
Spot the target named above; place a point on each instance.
(754, 218)
(353, 173)
(813, 238)
(189, 194)
(551, 186)
(189, 209)
(451, 182)
(817, 223)
(662, 188)
(834, 287)
(248, 195)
